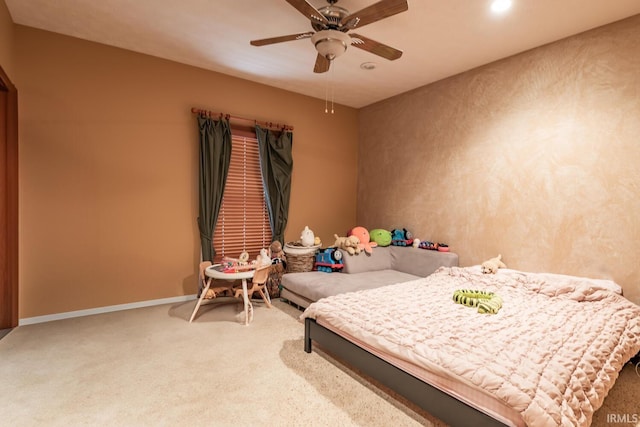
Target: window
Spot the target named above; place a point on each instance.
(243, 222)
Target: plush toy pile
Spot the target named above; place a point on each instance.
(404, 237)
(382, 237)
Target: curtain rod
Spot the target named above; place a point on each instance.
(229, 117)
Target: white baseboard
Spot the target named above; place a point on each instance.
(99, 310)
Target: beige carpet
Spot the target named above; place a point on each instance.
(150, 367)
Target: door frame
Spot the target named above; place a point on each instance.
(8, 203)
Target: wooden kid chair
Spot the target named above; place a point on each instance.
(206, 291)
(258, 284)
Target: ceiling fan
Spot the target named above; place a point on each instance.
(331, 24)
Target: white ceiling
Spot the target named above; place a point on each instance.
(439, 38)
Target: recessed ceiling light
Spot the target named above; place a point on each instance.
(368, 65)
(500, 6)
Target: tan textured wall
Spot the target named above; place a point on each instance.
(6, 40)
(536, 157)
(109, 163)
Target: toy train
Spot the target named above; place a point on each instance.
(401, 237)
(328, 260)
(442, 247)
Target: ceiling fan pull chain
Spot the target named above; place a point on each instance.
(333, 70)
(326, 93)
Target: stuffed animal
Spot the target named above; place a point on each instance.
(263, 259)
(307, 238)
(276, 252)
(218, 291)
(365, 240)
(492, 265)
(487, 302)
(351, 244)
(380, 236)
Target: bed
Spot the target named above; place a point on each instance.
(548, 356)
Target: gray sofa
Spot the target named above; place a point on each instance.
(385, 266)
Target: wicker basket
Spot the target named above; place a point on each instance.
(300, 263)
(275, 279)
(300, 259)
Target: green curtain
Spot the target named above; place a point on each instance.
(276, 165)
(215, 155)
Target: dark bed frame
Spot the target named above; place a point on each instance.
(436, 402)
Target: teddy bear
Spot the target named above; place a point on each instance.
(365, 240)
(492, 265)
(276, 252)
(351, 244)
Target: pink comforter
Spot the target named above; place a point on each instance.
(552, 352)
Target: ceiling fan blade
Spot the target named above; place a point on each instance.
(281, 39)
(375, 12)
(375, 47)
(309, 11)
(322, 64)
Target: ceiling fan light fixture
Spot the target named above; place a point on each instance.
(331, 43)
(500, 6)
